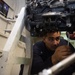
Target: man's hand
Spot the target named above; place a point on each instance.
(61, 53)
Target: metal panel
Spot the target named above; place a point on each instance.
(6, 61)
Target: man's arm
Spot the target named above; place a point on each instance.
(38, 64)
(61, 53)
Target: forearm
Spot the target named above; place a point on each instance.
(54, 61)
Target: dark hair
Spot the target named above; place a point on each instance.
(50, 28)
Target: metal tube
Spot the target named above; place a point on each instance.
(60, 66)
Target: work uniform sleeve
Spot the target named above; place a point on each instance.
(38, 64)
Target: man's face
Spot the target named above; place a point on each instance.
(52, 40)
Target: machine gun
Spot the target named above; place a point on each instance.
(40, 12)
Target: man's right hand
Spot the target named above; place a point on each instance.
(61, 53)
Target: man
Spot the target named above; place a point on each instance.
(51, 50)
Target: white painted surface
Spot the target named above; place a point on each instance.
(6, 62)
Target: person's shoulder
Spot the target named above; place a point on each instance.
(39, 43)
(38, 47)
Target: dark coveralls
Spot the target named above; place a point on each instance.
(42, 58)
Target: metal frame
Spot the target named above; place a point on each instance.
(8, 60)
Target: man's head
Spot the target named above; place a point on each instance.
(51, 36)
